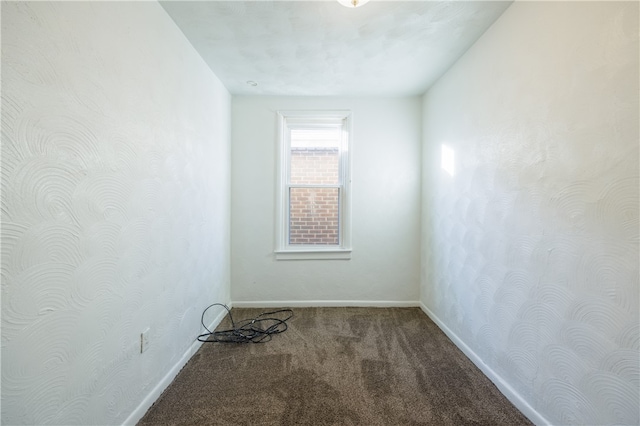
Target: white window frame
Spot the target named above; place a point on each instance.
(286, 121)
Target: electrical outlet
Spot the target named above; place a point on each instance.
(144, 340)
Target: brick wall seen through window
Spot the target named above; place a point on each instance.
(314, 211)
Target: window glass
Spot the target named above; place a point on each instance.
(315, 156)
(314, 216)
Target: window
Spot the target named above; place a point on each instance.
(313, 186)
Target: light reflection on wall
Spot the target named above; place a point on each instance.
(448, 159)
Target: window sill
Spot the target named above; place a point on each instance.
(313, 254)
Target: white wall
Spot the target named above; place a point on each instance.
(386, 204)
(531, 248)
(115, 206)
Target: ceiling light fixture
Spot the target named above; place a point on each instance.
(252, 83)
(353, 3)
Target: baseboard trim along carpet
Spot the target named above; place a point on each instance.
(336, 365)
(514, 397)
(327, 304)
(155, 393)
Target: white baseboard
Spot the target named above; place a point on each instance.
(326, 303)
(155, 393)
(511, 394)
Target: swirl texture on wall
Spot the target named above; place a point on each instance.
(115, 201)
(530, 250)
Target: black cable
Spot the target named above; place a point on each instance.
(256, 330)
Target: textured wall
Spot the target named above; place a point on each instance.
(115, 206)
(385, 154)
(531, 248)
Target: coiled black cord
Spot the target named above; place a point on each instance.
(256, 330)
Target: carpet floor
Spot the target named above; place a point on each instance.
(335, 366)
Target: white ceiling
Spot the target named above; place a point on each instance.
(321, 48)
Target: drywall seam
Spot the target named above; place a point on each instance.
(513, 396)
(155, 393)
(327, 303)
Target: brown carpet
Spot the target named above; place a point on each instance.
(335, 366)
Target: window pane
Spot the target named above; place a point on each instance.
(313, 216)
(315, 155)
